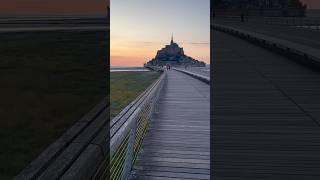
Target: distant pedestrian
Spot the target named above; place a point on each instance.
(242, 17)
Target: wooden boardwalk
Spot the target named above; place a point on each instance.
(265, 114)
(177, 144)
(302, 36)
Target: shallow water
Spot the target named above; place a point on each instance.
(129, 70)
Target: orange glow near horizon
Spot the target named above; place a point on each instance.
(312, 4)
(136, 54)
(138, 29)
(57, 7)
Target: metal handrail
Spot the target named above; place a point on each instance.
(306, 58)
(128, 129)
(201, 77)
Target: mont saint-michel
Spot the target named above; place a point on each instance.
(174, 55)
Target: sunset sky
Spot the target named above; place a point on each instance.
(312, 4)
(138, 27)
(53, 7)
(141, 27)
(57, 7)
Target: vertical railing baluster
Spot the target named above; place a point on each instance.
(143, 112)
(130, 148)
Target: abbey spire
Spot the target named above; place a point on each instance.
(174, 55)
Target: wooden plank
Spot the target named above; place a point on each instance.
(86, 164)
(265, 122)
(177, 143)
(61, 154)
(298, 52)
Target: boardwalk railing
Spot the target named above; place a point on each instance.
(128, 130)
(297, 52)
(155, 68)
(78, 153)
(195, 75)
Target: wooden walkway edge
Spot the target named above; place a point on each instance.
(177, 144)
(265, 122)
(303, 54)
(77, 153)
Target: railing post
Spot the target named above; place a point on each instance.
(154, 107)
(126, 133)
(130, 148)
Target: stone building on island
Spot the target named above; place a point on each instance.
(268, 8)
(174, 55)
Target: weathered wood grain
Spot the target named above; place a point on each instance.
(177, 144)
(265, 122)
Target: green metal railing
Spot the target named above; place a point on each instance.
(128, 129)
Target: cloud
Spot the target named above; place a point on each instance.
(147, 44)
(198, 43)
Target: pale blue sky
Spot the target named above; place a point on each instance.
(140, 27)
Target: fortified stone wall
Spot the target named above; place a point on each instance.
(261, 12)
(174, 55)
(271, 8)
